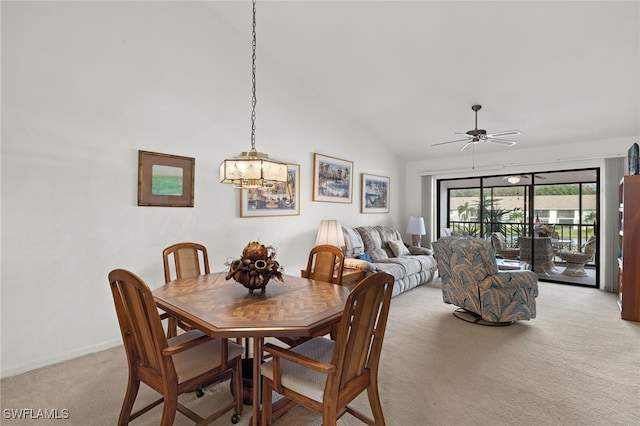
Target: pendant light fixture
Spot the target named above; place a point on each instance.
(253, 169)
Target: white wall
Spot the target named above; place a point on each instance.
(87, 85)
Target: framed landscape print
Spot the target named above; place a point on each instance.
(165, 180)
(375, 194)
(332, 179)
(281, 200)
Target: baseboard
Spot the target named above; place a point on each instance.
(60, 358)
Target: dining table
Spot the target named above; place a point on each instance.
(221, 308)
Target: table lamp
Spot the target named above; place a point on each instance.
(416, 229)
(330, 232)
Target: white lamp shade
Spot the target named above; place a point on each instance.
(416, 226)
(330, 232)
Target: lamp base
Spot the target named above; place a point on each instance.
(416, 240)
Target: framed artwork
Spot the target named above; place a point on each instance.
(634, 162)
(281, 200)
(375, 194)
(165, 180)
(332, 179)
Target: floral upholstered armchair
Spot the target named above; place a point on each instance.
(471, 280)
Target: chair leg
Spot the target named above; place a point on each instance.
(172, 327)
(329, 416)
(129, 398)
(267, 391)
(374, 402)
(237, 384)
(169, 409)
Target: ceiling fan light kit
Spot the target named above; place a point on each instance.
(477, 135)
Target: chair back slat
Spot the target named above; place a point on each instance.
(187, 262)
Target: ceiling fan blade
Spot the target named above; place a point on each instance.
(501, 141)
(468, 144)
(444, 143)
(502, 134)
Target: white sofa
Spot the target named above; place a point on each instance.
(380, 248)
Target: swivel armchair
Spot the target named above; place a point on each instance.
(471, 281)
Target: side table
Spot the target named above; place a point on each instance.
(511, 265)
(350, 277)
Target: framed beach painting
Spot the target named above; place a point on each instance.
(375, 194)
(280, 200)
(165, 180)
(332, 179)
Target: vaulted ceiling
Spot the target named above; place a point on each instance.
(409, 72)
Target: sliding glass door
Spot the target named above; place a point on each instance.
(558, 208)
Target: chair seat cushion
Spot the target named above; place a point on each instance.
(303, 380)
(202, 358)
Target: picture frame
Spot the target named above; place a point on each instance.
(165, 180)
(332, 179)
(281, 200)
(634, 160)
(375, 193)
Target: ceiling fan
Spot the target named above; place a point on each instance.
(476, 135)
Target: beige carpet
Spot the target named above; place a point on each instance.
(578, 363)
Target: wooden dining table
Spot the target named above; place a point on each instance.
(297, 307)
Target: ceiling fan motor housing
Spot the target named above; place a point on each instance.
(477, 132)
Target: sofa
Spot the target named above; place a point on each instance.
(380, 248)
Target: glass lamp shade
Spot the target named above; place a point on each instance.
(253, 170)
(330, 232)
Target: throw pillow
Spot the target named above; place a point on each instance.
(398, 248)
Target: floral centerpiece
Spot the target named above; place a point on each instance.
(542, 230)
(256, 267)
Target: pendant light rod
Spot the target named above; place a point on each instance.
(254, 98)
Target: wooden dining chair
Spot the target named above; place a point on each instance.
(184, 260)
(169, 366)
(325, 375)
(325, 263)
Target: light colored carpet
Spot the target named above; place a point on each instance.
(577, 363)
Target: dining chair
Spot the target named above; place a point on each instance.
(184, 260)
(325, 263)
(325, 375)
(169, 366)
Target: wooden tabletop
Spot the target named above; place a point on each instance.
(221, 308)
